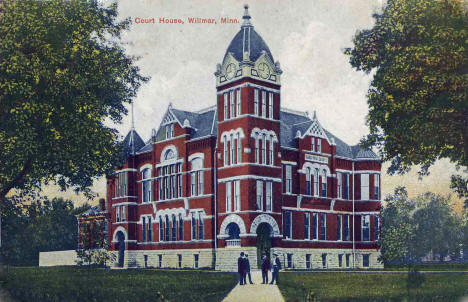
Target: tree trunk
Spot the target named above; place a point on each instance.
(4, 191)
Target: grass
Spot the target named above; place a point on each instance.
(100, 285)
(376, 287)
(435, 266)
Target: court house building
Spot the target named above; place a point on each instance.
(244, 175)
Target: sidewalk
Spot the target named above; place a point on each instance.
(256, 292)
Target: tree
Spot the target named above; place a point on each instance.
(39, 224)
(398, 229)
(93, 244)
(63, 73)
(418, 99)
(438, 229)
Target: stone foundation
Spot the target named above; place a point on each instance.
(226, 258)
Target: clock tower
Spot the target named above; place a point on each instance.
(248, 144)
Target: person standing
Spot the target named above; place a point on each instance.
(247, 269)
(241, 268)
(276, 269)
(265, 268)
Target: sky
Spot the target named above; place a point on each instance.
(307, 37)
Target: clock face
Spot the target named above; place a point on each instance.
(230, 71)
(264, 70)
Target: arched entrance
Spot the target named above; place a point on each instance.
(233, 231)
(264, 243)
(121, 242)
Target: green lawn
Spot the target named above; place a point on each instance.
(69, 284)
(375, 287)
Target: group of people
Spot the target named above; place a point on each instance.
(243, 268)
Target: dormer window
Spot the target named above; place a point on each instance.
(169, 131)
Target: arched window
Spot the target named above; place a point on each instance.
(271, 151)
(166, 227)
(181, 228)
(257, 148)
(201, 227)
(239, 104)
(174, 228)
(233, 231)
(239, 148)
(226, 155)
(324, 183)
(231, 143)
(170, 154)
(146, 185)
(316, 182)
(308, 175)
(169, 175)
(196, 177)
(161, 229)
(264, 149)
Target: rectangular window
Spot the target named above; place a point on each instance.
(288, 173)
(313, 144)
(365, 222)
(257, 150)
(150, 230)
(319, 145)
(194, 227)
(201, 227)
(256, 102)
(316, 182)
(306, 225)
(161, 192)
(324, 183)
(237, 201)
(314, 226)
(270, 105)
(339, 187)
(365, 260)
(181, 228)
(160, 260)
(200, 182)
(195, 261)
(117, 214)
(287, 224)
(161, 229)
(323, 226)
(239, 104)
(143, 229)
(173, 186)
(179, 262)
(264, 149)
(233, 150)
(307, 187)
(233, 105)
(364, 186)
(193, 182)
(346, 186)
(226, 107)
(308, 263)
(340, 260)
(339, 229)
(174, 228)
(169, 131)
(260, 195)
(324, 260)
(166, 188)
(376, 186)
(271, 152)
(376, 228)
(167, 229)
(228, 197)
(348, 258)
(239, 149)
(269, 195)
(124, 213)
(226, 152)
(263, 103)
(179, 182)
(290, 261)
(346, 228)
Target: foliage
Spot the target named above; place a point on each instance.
(38, 224)
(413, 228)
(418, 105)
(73, 284)
(63, 73)
(93, 244)
(368, 286)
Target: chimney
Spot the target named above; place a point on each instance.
(102, 204)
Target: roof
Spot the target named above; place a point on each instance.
(93, 211)
(132, 143)
(249, 40)
(203, 124)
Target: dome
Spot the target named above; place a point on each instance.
(247, 40)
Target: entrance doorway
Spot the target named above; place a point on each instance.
(264, 243)
(121, 243)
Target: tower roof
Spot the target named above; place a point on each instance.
(248, 40)
(132, 143)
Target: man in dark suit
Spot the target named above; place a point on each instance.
(276, 269)
(247, 269)
(241, 268)
(265, 268)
